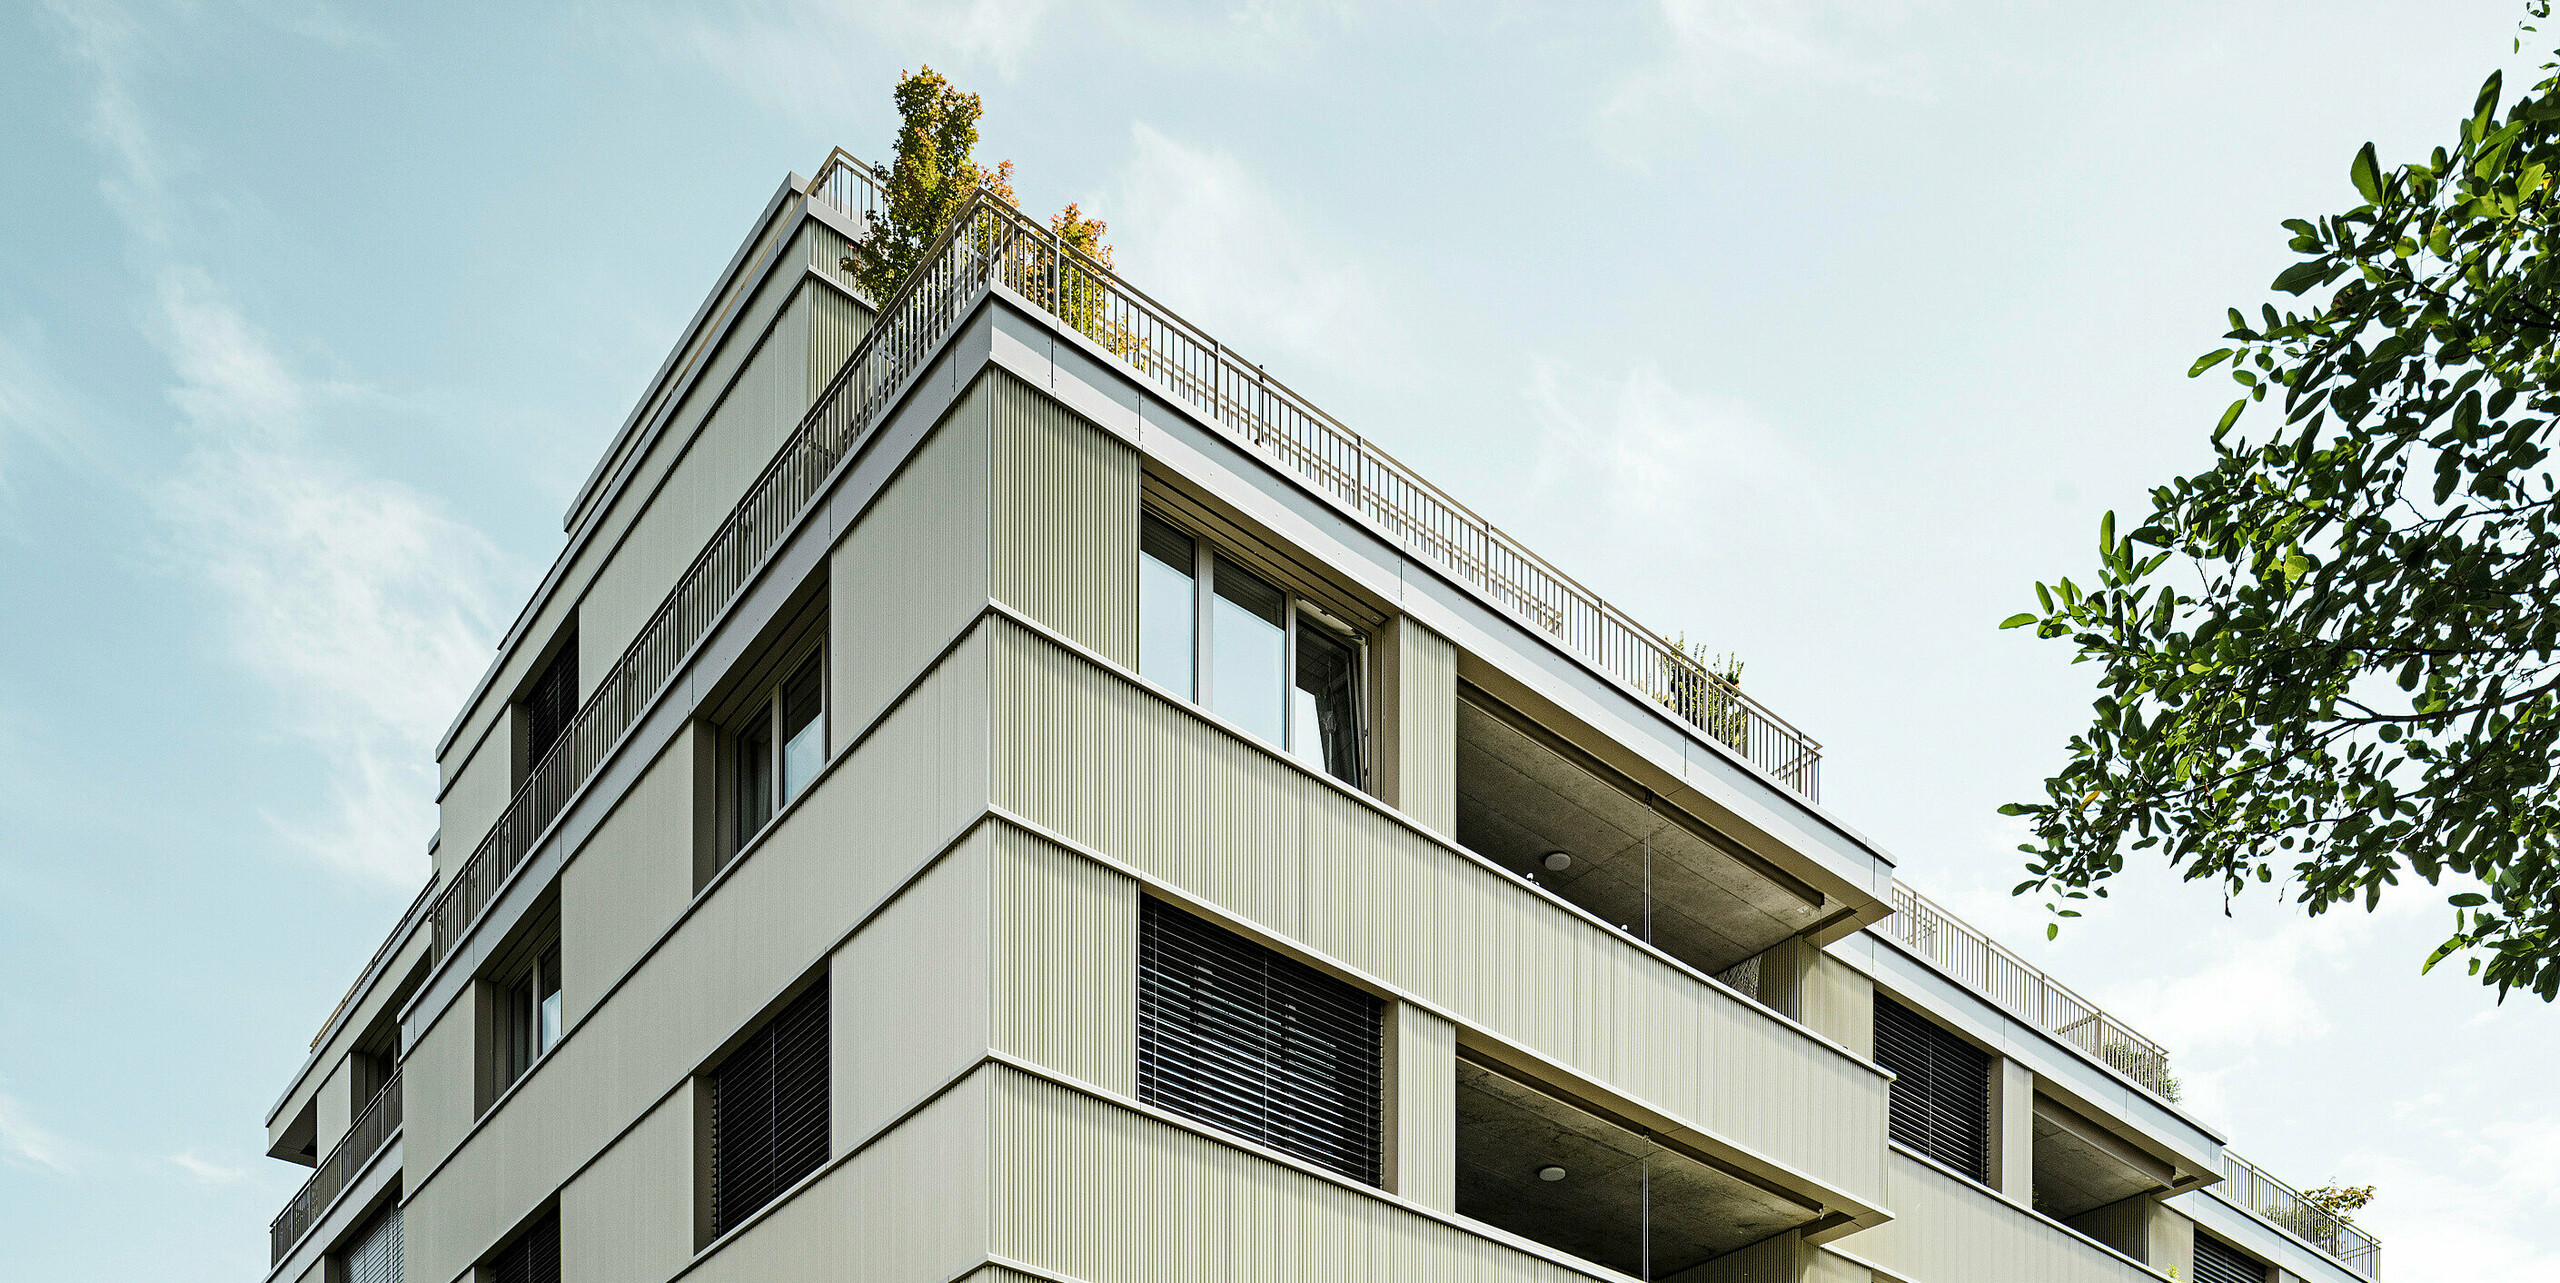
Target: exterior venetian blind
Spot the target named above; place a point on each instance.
(1941, 1099)
(2219, 1262)
(534, 1257)
(769, 1111)
(551, 704)
(376, 1255)
(1250, 1042)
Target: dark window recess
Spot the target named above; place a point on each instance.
(534, 1257)
(769, 1111)
(551, 704)
(1941, 1099)
(1246, 1040)
(2219, 1262)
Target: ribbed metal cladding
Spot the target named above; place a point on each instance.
(1246, 1040)
(769, 1114)
(1941, 1103)
(2219, 1262)
(534, 1257)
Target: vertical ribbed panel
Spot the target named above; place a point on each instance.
(874, 818)
(631, 879)
(1946, 1227)
(913, 569)
(1092, 1190)
(755, 410)
(1419, 722)
(1771, 1260)
(1087, 752)
(827, 252)
(630, 1213)
(1064, 547)
(1066, 961)
(913, 989)
(1423, 1107)
(1827, 1267)
(1839, 1003)
(836, 324)
(911, 1206)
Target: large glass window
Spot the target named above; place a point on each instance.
(531, 1014)
(1168, 613)
(1249, 653)
(1263, 660)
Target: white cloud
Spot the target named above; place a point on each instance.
(206, 1172)
(25, 1144)
(1721, 56)
(1216, 245)
(35, 410)
(1662, 466)
(363, 606)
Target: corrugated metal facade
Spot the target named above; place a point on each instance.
(1065, 508)
(913, 570)
(1950, 1230)
(1094, 1190)
(630, 880)
(631, 1215)
(1422, 1102)
(1419, 669)
(836, 324)
(1089, 753)
(842, 848)
(1066, 960)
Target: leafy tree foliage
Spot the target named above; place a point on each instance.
(934, 172)
(2330, 659)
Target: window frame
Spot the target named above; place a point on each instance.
(764, 719)
(1298, 610)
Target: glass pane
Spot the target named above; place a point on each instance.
(1324, 711)
(1166, 645)
(547, 1018)
(521, 1048)
(1248, 653)
(804, 730)
(755, 777)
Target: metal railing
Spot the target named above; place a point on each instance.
(1260, 411)
(2284, 1207)
(373, 1129)
(2022, 990)
(989, 244)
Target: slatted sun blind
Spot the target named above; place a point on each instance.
(376, 1256)
(1941, 1099)
(534, 1257)
(2219, 1262)
(1257, 1044)
(552, 703)
(769, 1111)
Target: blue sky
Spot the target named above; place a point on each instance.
(1816, 331)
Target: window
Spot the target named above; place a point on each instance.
(529, 1015)
(769, 1111)
(1246, 1040)
(534, 1257)
(376, 1256)
(777, 746)
(552, 703)
(2219, 1262)
(1940, 1103)
(1253, 652)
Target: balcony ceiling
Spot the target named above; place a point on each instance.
(1508, 1130)
(1519, 799)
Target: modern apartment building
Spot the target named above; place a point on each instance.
(997, 787)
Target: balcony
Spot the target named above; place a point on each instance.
(2017, 987)
(374, 1128)
(991, 244)
(2253, 1191)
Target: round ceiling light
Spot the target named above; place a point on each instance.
(1551, 1173)
(1558, 861)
